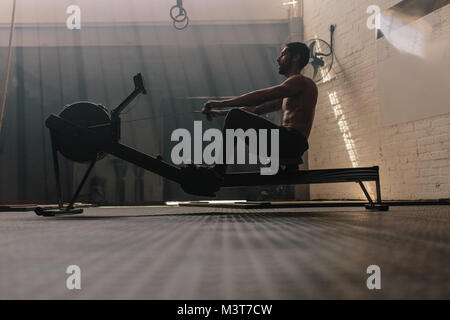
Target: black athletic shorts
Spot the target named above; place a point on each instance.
(293, 143)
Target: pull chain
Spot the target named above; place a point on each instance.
(163, 116)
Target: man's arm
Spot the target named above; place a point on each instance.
(289, 88)
(267, 107)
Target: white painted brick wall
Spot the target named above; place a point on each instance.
(414, 157)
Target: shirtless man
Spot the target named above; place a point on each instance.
(296, 97)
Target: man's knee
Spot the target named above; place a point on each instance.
(236, 113)
(234, 118)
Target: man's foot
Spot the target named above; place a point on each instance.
(201, 181)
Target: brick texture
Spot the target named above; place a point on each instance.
(414, 157)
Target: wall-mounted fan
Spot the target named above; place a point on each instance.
(322, 58)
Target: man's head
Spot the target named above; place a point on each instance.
(295, 55)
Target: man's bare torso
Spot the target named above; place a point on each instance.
(299, 111)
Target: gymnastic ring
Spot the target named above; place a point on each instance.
(184, 26)
(182, 13)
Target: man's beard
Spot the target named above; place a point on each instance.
(283, 69)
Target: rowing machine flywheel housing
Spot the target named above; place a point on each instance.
(87, 115)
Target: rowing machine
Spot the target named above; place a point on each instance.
(86, 132)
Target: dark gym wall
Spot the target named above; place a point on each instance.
(53, 67)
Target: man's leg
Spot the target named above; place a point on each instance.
(240, 119)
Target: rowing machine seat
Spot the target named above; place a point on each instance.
(291, 164)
